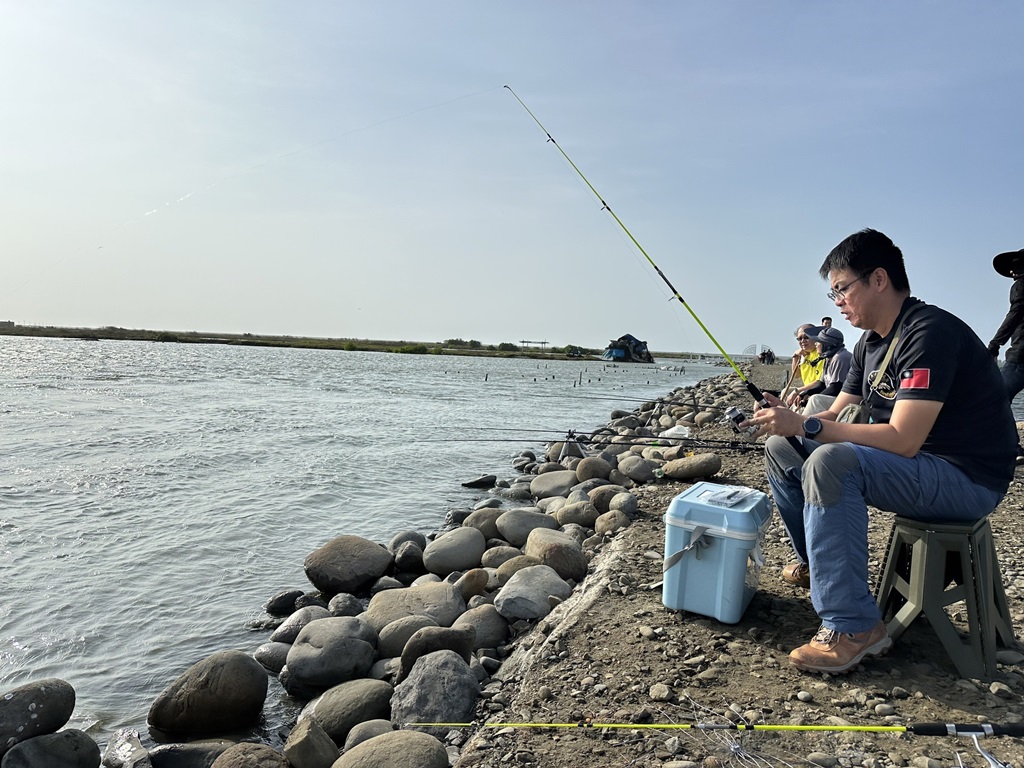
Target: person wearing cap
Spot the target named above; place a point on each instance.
(938, 447)
(807, 365)
(1011, 264)
(820, 394)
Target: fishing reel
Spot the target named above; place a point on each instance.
(736, 417)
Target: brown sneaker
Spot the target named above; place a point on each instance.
(835, 652)
(797, 574)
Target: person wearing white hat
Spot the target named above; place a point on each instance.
(1011, 264)
(819, 395)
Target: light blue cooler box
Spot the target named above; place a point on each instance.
(713, 549)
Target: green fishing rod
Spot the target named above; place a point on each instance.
(751, 387)
(1015, 730)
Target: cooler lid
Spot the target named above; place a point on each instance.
(727, 510)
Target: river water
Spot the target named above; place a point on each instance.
(153, 496)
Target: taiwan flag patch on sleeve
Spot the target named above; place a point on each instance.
(915, 378)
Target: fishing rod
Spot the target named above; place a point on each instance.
(974, 730)
(1015, 730)
(751, 387)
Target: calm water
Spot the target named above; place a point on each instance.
(152, 496)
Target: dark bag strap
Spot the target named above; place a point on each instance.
(877, 378)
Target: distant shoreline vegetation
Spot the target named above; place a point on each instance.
(447, 347)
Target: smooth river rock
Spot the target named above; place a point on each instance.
(69, 748)
(34, 709)
(346, 564)
(398, 748)
(221, 693)
(456, 550)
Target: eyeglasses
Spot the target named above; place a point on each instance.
(838, 294)
(803, 338)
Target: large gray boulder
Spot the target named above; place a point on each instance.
(461, 640)
(558, 550)
(396, 634)
(506, 570)
(272, 656)
(249, 755)
(636, 468)
(491, 627)
(456, 550)
(66, 749)
(409, 557)
(582, 513)
(339, 708)
(365, 731)
(34, 709)
(516, 524)
(693, 467)
(346, 564)
(441, 688)
(602, 497)
(484, 521)
(495, 556)
(624, 502)
(398, 748)
(610, 522)
(196, 754)
(331, 651)
(309, 746)
(593, 467)
(289, 629)
(557, 483)
(222, 693)
(441, 601)
(527, 593)
(125, 750)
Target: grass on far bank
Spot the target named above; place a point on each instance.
(447, 347)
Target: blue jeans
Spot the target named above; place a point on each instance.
(1013, 378)
(823, 502)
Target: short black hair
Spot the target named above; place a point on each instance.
(865, 251)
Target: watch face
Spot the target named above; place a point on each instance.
(812, 427)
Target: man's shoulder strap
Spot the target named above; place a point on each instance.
(892, 344)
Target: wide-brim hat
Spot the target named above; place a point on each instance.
(1008, 263)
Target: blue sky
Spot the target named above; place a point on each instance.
(355, 169)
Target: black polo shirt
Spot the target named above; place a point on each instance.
(938, 357)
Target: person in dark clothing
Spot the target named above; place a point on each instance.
(938, 447)
(1011, 264)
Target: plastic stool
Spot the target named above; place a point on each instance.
(930, 566)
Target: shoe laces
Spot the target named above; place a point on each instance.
(826, 636)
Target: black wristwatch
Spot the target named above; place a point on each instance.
(812, 428)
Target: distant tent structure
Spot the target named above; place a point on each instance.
(627, 349)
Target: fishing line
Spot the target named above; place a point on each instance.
(751, 387)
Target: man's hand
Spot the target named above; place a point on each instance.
(777, 420)
(773, 401)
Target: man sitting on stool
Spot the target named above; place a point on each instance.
(939, 446)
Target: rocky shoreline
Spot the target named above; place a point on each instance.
(543, 605)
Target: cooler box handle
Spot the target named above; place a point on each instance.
(697, 542)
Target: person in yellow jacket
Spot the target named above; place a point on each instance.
(807, 365)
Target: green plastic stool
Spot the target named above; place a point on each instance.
(929, 567)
